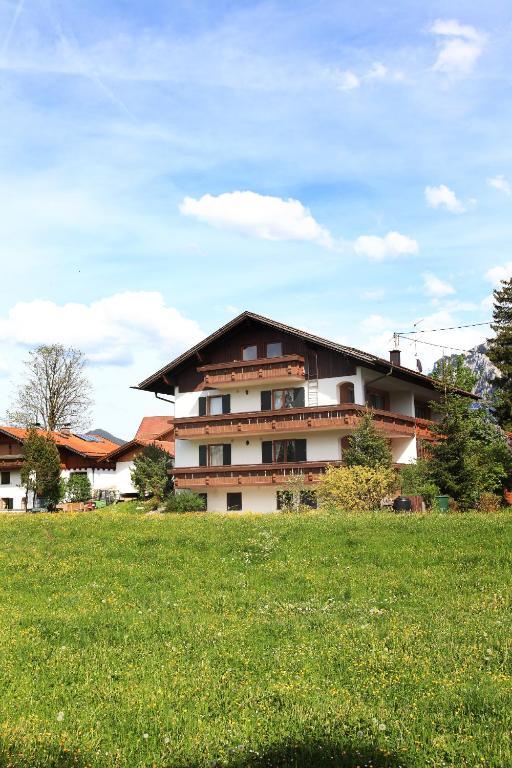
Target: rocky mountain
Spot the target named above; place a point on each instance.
(106, 435)
(477, 360)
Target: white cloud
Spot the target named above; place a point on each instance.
(498, 273)
(436, 287)
(264, 216)
(443, 196)
(460, 47)
(105, 330)
(377, 293)
(347, 80)
(391, 246)
(501, 183)
(375, 323)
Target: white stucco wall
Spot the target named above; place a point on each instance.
(14, 491)
(257, 500)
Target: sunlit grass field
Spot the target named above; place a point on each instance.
(183, 641)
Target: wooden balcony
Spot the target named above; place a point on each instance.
(249, 474)
(341, 418)
(287, 369)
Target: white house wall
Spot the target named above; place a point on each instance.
(14, 491)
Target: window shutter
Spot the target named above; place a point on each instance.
(266, 452)
(202, 406)
(202, 455)
(226, 403)
(266, 400)
(226, 453)
(300, 450)
(298, 397)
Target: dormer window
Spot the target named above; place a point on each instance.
(275, 349)
(250, 352)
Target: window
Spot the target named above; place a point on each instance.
(375, 398)
(218, 455)
(347, 393)
(214, 405)
(5, 478)
(282, 451)
(285, 500)
(422, 411)
(6, 504)
(275, 349)
(234, 502)
(250, 352)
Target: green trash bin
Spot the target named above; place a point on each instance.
(443, 503)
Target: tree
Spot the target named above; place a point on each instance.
(78, 487)
(453, 373)
(150, 473)
(366, 448)
(500, 352)
(470, 454)
(40, 473)
(55, 390)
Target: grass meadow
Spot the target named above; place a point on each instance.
(204, 640)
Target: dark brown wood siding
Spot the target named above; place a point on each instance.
(327, 362)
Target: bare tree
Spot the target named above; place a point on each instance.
(55, 390)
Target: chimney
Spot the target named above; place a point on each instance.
(394, 357)
(65, 431)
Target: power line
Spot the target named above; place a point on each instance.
(431, 344)
(449, 328)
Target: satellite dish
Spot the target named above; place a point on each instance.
(419, 365)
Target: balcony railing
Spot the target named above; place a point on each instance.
(249, 474)
(294, 420)
(288, 368)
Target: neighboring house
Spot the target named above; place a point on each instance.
(78, 453)
(258, 401)
(157, 430)
(107, 464)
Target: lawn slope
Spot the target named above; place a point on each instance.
(184, 641)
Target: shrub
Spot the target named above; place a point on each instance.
(488, 502)
(355, 489)
(185, 501)
(415, 481)
(78, 487)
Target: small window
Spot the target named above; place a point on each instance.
(5, 478)
(216, 455)
(234, 502)
(6, 504)
(288, 398)
(275, 349)
(250, 352)
(215, 405)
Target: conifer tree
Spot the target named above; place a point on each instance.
(366, 448)
(500, 352)
(40, 473)
(150, 473)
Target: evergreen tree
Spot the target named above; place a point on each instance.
(500, 352)
(453, 373)
(40, 473)
(366, 448)
(78, 487)
(150, 473)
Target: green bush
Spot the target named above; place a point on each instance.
(355, 489)
(78, 487)
(415, 481)
(185, 501)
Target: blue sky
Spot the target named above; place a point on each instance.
(346, 168)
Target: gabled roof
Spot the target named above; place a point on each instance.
(165, 445)
(363, 358)
(98, 448)
(153, 427)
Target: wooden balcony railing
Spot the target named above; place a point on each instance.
(294, 420)
(276, 369)
(249, 474)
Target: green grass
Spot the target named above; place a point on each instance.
(184, 641)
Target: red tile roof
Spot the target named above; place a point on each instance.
(97, 449)
(153, 427)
